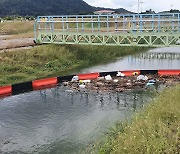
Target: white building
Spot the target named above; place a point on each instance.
(104, 12)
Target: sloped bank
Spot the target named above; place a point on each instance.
(153, 130)
(55, 60)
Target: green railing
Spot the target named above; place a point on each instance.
(119, 29)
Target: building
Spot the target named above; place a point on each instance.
(104, 12)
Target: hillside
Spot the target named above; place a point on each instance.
(46, 7)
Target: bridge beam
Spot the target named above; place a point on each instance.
(141, 39)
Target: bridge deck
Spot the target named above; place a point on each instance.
(122, 30)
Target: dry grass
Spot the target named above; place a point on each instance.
(17, 29)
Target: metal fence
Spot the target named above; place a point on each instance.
(129, 25)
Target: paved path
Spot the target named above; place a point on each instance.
(15, 43)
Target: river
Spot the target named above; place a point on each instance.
(154, 59)
(56, 121)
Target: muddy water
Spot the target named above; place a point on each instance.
(56, 121)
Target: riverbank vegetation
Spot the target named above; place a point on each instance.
(48, 60)
(156, 129)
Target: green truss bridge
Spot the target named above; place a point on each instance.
(116, 30)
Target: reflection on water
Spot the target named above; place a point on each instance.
(158, 58)
(154, 56)
(58, 121)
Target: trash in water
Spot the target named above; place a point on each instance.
(69, 91)
(82, 86)
(149, 84)
(142, 77)
(85, 81)
(75, 78)
(115, 80)
(120, 74)
(120, 84)
(108, 77)
(128, 84)
(152, 81)
(65, 83)
(100, 78)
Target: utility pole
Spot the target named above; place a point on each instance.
(141, 5)
(138, 6)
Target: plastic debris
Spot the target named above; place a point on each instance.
(128, 84)
(85, 81)
(142, 77)
(108, 77)
(115, 80)
(81, 81)
(100, 78)
(120, 84)
(120, 74)
(69, 91)
(82, 86)
(99, 83)
(65, 83)
(149, 84)
(75, 78)
(152, 81)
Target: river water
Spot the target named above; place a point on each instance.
(56, 121)
(158, 58)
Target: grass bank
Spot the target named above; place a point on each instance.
(46, 60)
(154, 130)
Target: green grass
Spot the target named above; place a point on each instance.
(50, 60)
(154, 130)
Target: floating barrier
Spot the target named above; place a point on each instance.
(153, 72)
(22, 87)
(65, 78)
(169, 72)
(88, 76)
(44, 82)
(114, 73)
(5, 90)
(51, 82)
(131, 72)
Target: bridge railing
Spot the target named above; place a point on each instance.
(116, 29)
(110, 23)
